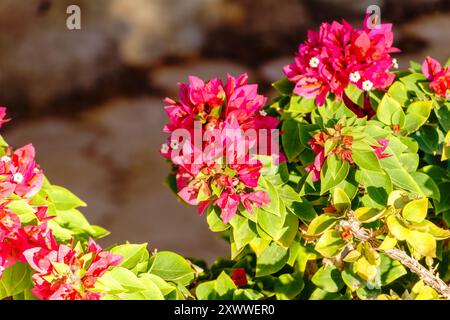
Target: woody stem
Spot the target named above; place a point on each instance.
(412, 264)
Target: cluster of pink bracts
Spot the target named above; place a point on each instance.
(439, 77)
(61, 272)
(229, 178)
(338, 55)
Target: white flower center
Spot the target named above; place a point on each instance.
(314, 62)
(263, 113)
(395, 63)
(18, 177)
(355, 76)
(174, 144)
(367, 85)
(6, 159)
(164, 148)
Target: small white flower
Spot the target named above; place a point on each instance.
(18, 177)
(395, 63)
(174, 144)
(6, 159)
(164, 148)
(367, 85)
(314, 62)
(263, 113)
(355, 76)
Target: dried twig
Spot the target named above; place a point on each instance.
(412, 264)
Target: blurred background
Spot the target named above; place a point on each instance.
(90, 100)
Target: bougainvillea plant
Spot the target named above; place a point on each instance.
(355, 203)
(336, 189)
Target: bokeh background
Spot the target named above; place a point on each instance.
(90, 100)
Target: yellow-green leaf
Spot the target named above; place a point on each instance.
(388, 243)
(340, 200)
(423, 243)
(416, 210)
(365, 270)
(429, 227)
(320, 224)
(367, 215)
(330, 244)
(397, 227)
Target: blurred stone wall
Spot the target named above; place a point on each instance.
(42, 60)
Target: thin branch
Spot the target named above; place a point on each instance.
(412, 264)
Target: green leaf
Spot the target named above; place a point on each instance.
(443, 115)
(288, 231)
(320, 294)
(366, 215)
(272, 224)
(74, 220)
(352, 280)
(410, 161)
(244, 231)
(333, 172)
(416, 210)
(388, 109)
(15, 280)
(274, 206)
(301, 105)
(328, 278)
(330, 244)
(171, 267)
(340, 200)
(63, 199)
(378, 186)
(427, 184)
(410, 81)
(271, 260)
(398, 91)
(291, 139)
(163, 286)
(304, 210)
(132, 254)
(23, 210)
(122, 284)
(428, 139)
(284, 86)
(287, 287)
(98, 232)
(366, 160)
(220, 289)
(398, 174)
(390, 270)
(224, 284)
(320, 224)
(247, 294)
(214, 220)
(416, 115)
